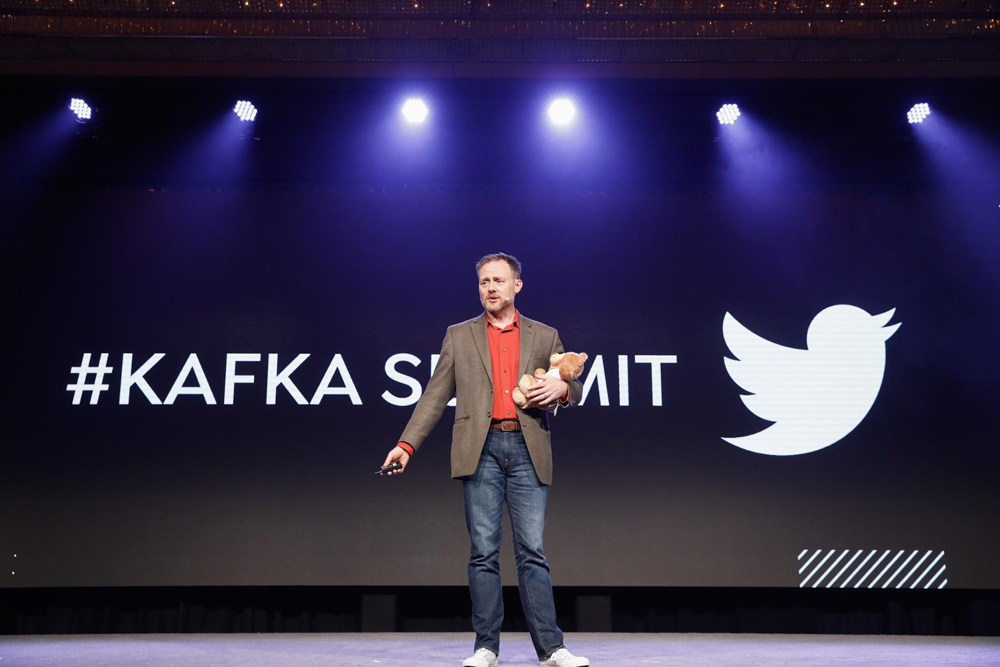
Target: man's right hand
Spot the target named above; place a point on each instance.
(397, 454)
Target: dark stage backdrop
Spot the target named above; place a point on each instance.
(199, 470)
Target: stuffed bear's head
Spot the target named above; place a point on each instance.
(570, 364)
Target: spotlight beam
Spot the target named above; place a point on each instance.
(81, 109)
(415, 111)
(728, 114)
(562, 111)
(918, 112)
(246, 111)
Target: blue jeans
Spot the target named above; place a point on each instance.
(505, 472)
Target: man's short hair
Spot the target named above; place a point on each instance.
(515, 266)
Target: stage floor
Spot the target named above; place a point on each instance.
(443, 649)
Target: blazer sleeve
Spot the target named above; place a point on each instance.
(575, 386)
(440, 389)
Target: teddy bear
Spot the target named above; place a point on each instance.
(567, 366)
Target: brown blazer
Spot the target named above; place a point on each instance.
(464, 371)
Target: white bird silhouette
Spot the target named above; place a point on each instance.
(815, 396)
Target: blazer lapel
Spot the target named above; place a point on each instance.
(482, 342)
(527, 342)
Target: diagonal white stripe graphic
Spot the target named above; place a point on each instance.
(818, 552)
(858, 568)
(839, 558)
(929, 568)
(872, 568)
(934, 578)
(915, 568)
(830, 569)
(825, 558)
(875, 580)
(844, 569)
(894, 574)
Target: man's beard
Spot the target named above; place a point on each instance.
(498, 305)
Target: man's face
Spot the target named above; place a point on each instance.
(497, 286)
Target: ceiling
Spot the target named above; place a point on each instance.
(471, 38)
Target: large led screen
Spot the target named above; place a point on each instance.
(785, 389)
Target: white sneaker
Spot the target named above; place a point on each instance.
(563, 658)
(483, 658)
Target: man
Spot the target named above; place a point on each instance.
(501, 453)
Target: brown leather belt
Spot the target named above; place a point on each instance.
(506, 425)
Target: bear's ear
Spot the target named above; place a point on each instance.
(583, 356)
(554, 359)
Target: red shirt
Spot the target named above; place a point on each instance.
(505, 353)
(505, 359)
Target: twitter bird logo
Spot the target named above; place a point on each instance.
(814, 396)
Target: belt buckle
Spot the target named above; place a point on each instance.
(511, 422)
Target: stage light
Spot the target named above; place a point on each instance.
(728, 114)
(81, 109)
(414, 110)
(918, 112)
(562, 111)
(246, 111)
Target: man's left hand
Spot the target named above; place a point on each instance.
(546, 392)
